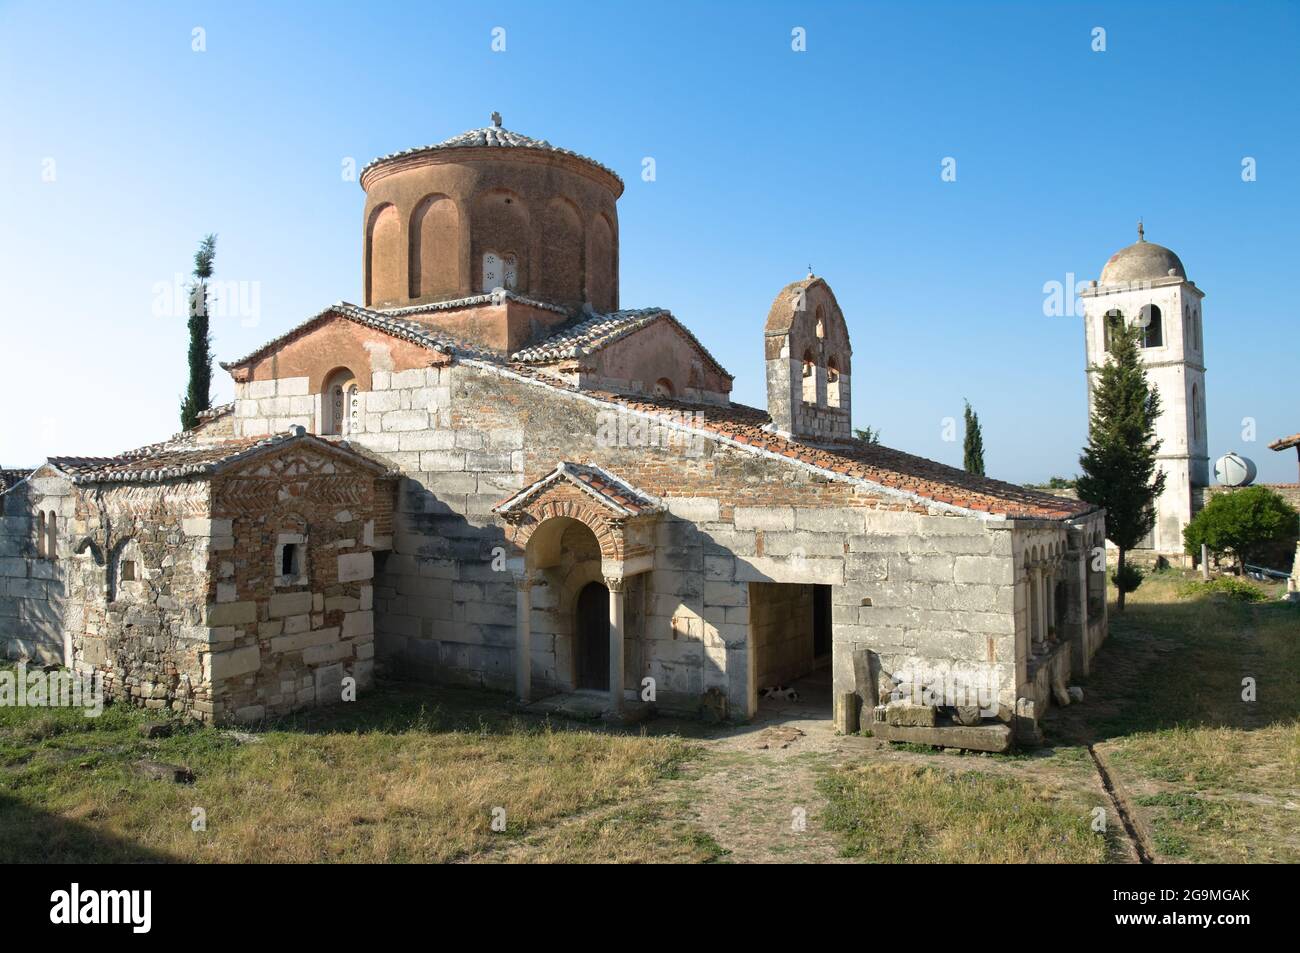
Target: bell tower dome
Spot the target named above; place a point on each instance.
(487, 209)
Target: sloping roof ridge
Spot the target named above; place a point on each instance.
(89, 470)
(675, 420)
(591, 335)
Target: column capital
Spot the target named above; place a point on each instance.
(614, 583)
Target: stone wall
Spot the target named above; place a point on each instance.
(33, 586)
(781, 626)
(137, 585)
(281, 641)
(914, 584)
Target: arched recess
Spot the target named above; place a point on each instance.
(1152, 330)
(601, 265)
(808, 370)
(384, 256)
(340, 403)
(434, 268)
(125, 572)
(499, 224)
(566, 553)
(1111, 326)
(561, 273)
(832, 382)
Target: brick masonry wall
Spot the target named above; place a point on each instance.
(280, 642)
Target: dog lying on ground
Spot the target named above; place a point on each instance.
(780, 693)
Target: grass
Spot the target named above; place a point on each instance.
(1197, 698)
(1194, 702)
(907, 813)
(390, 781)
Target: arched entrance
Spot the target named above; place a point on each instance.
(591, 637)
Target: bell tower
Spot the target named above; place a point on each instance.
(1145, 286)
(806, 348)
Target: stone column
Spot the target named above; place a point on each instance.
(616, 623)
(524, 640)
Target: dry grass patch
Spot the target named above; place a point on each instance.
(388, 783)
(905, 813)
(1216, 773)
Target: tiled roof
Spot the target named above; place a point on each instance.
(392, 321)
(745, 427)
(389, 324)
(606, 488)
(9, 477)
(1284, 443)
(493, 136)
(184, 458)
(216, 413)
(894, 471)
(602, 330)
(455, 304)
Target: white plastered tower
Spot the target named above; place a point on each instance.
(1146, 285)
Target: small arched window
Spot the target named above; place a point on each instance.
(126, 573)
(52, 536)
(1112, 325)
(664, 388)
(1152, 332)
(341, 404)
(1197, 423)
(40, 534)
(809, 378)
(832, 383)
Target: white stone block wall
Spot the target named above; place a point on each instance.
(33, 588)
(267, 407)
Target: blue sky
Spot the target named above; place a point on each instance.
(122, 146)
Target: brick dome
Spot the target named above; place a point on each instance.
(485, 209)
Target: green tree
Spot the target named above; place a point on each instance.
(198, 393)
(1245, 523)
(867, 434)
(1119, 462)
(973, 447)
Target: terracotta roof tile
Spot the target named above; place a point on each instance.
(608, 489)
(749, 427)
(10, 477)
(601, 330)
(185, 458)
(493, 136)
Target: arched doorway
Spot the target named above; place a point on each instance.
(591, 637)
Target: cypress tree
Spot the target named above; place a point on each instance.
(973, 448)
(198, 395)
(1119, 462)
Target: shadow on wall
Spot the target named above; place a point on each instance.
(439, 555)
(36, 632)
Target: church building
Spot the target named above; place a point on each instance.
(490, 472)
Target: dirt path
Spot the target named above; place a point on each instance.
(754, 790)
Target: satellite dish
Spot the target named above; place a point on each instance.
(1232, 469)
